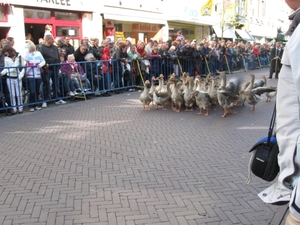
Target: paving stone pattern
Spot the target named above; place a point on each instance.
(105, 161)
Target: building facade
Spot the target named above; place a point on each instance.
(68, 17)
(143, 19)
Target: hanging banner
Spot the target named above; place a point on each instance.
(206, 9)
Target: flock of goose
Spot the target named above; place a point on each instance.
(205, 92)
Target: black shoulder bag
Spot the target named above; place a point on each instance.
(264, 162)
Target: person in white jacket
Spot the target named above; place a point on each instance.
(34, 62)
(287, 188)
(14, 77)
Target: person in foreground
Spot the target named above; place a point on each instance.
(287, 188)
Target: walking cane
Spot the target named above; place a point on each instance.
(139, 68)
(227, 64)
(258, 61)
(244, 62)
(81, 85)
(179, 67)
(207, 64)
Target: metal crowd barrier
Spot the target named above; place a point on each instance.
(55, 84)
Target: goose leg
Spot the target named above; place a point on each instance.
(225, 112)
(206, 114)
(200, 112)
(253, 108)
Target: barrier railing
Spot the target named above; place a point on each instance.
(54, 82)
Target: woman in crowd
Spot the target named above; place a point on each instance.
(76, 72)
(34, 61)
(94, 72)
(141, 48)
(14, 77)
(107, 68)
(155, 62)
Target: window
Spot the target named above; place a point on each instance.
(37, 14)
(66, 16)
(2, 13)
(63, 31)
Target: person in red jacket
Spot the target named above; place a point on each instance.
(107, 68)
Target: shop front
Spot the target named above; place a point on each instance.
(189, 20)
(140, 22)
(67, 17)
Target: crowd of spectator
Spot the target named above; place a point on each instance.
(54, 70)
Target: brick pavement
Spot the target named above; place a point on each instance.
(104, 161)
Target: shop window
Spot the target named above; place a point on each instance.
(2, 13)
(37, 14)
(66, 16)
(118, 27)
(71, 31)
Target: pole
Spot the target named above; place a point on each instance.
(227, 64)
(179, 67)
(258, 61)
(207, 65)
(139, 68)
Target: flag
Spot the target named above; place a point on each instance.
(206, 9)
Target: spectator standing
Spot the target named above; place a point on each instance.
(52, 58)
(155, 63)
(149, 46)
(141, 48)
(287, 188)
(94, 72)
(276, 56)
(145, 66)
(174, 60)
(70, 49)
(97, 50)
(14, 77)
(80, 53)
(48, 30)
(166, 61)
(134, 58)
(107, 69)
(34, 62)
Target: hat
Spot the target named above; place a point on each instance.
(172, 48)
(119, 40)
(111, 43)
(194, 40)
(129, 39)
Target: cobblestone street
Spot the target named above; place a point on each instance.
(105, 161)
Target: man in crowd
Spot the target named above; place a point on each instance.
(51, 70)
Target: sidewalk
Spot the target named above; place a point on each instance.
(105, 161)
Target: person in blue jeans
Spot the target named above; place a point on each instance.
(34, 61)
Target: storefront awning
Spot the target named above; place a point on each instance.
(110, 13)
(227, 32)
(244, 35)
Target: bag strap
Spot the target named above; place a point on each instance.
(272, 124)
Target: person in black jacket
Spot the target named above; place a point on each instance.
(51, 70)
(120, 65)
(80, 53)
(276, 56)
